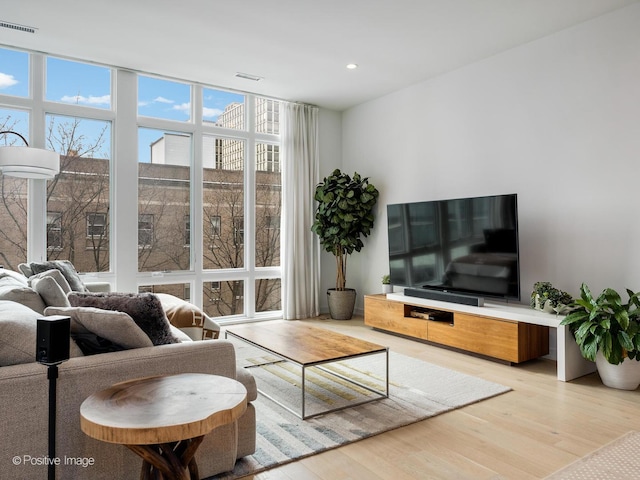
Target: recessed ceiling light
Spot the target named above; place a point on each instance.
(352, 66)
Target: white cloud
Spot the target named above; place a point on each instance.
(162, 100)
(184, 107)
(90, 100)
(7, 81)
(211, 112)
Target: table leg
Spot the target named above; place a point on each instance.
(170, 461)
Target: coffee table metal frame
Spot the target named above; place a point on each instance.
(304, 366)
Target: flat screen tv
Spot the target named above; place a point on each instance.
(466, 246)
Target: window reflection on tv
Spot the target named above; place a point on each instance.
(467, 245)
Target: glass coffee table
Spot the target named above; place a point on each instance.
(307, 346)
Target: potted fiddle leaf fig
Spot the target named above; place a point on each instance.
(607, 331)
(343, 215)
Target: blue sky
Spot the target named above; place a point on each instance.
(86, 84)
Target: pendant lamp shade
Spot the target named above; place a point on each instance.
(28, 162)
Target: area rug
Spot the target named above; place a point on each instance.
(619, 459)
(417, 390)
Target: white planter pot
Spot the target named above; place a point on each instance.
(543, 307)
(386, 288)
(624, 376)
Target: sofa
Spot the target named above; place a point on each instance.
(24, 394)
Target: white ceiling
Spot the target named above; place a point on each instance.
(299, 47)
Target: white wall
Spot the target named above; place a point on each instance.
(556, 121)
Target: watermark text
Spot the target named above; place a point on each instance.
(46, 460)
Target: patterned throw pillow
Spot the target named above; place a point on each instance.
(188, 318)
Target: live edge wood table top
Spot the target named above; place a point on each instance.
(163, 419)
(302, 343)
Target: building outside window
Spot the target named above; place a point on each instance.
(54, 230)
(145, 230)
(96, 224)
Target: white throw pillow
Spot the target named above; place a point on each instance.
(50, 292)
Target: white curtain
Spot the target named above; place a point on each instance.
(300, 246)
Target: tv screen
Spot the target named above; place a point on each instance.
(465, 245)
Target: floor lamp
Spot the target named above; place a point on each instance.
(52, 346)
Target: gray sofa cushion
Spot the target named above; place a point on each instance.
(18, 333)
(144, 308)
(66, 268)
(13, 288)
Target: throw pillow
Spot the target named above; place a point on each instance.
(14, 275)
(144, 308)
(100, 331)
(18, 334)
(25, 269)
(188, 318)
(56, 275)
(67, 269)
(50, 292)
(16, 291)
(183, 315)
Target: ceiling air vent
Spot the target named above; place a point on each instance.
(16, 26)
(248, 76)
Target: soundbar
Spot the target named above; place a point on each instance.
(445, 296)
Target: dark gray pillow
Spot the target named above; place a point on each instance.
(144, 308)
(66, 268)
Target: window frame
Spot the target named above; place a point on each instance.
(122, 219)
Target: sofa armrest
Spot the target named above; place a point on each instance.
(98, 287)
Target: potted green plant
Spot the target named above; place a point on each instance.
(344, 213)
(608, 332)
(545, 297)
(386, 284)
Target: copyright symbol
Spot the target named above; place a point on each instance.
(16, 460)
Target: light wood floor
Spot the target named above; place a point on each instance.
(528, 433)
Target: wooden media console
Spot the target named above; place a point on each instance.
(509, 333)
(506, 340)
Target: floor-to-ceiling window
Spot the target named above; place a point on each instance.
(207, 203)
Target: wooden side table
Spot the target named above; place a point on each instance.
(163, 419)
